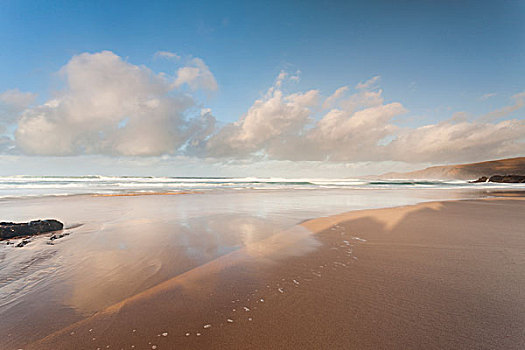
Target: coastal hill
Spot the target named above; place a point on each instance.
(472, 171)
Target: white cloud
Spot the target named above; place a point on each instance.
(451, 141)
(108, 107)
(487, 96)
(12, 102)
(296, 77)
(332, 99)
(284, 127)
(363, 98)
(272, 117)
(197, 76)
(346, 135)
(368, 84)
(112, 107)
(519, 102)
(361, 128)
(17, 99)
(284, 75)
(166, 54)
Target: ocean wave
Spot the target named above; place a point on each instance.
(34, 186)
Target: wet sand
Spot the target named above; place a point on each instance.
(448, 275)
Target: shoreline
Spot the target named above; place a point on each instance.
(493, 189)
(407, 272)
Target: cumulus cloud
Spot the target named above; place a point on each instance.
(12, 102)
(196, 75)
(459, 141)
(109, 106)
(273, 117)
(332, 99)
(282, 126)
(17, 99)
(112, 107)
(359, 127)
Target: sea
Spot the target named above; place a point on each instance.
(36, 186)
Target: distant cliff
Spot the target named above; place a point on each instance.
(514, 166)
(509, 179)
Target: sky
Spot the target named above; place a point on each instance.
(274, 88)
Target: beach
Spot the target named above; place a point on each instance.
(439, 274)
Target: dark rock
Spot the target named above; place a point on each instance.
(58, 236)
(22, 243)
(502, 179)
(514, 179)
(11, 230)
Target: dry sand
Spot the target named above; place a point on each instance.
(448, 275)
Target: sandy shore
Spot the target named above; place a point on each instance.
(448, 275)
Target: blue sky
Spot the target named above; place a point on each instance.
(437, 58)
